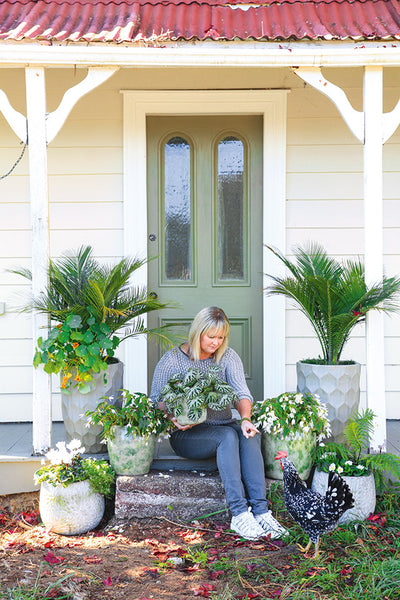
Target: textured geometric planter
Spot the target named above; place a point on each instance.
(338, 386)
(362, 488)
(75, 405)
(299, 452)
(70, 510)
(130, 455)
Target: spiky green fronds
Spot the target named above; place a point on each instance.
(333, 296)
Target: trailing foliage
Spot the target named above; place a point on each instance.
(333, 296)
(137, 412)
(67, 466)
(291, 415)
(76, 351)
(352, 457)
(198, 390)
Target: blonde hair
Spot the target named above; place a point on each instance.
(208, 318)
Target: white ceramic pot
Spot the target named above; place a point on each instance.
(338, 386)
(130, 455)
(70, 510)
(75, 404)
(362, 488)
(299, 450)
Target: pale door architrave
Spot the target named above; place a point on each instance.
(271, 104)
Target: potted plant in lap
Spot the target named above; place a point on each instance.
(188, 395)
(363, 472)
(91, 304)
(335, 298)
(131, 429)
(73, 489)
(292, 422)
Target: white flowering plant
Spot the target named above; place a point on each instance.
(67, 465)
(292, 414)
(352, 458)
(136, 412)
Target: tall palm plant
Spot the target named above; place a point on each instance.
(80, 285)
(333, 296)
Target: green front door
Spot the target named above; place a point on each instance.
(205, 226)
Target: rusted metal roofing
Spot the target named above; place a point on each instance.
(150, 20)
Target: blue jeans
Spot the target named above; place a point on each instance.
(239, 462)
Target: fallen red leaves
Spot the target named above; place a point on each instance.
(204, 590)
(52, 559)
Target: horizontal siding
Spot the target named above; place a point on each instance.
(85, 207)
(324, 199)
(325, 204)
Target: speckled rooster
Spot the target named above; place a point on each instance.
(314, 513)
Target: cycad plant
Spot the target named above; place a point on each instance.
(333, 296)
(352, 458)
(91, 303)
(80, 285)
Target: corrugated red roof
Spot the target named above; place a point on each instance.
(133, 20)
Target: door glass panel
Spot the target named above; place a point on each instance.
(177, 204)
(231, 245)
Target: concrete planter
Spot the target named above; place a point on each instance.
(70, 510)
(299, 451)
(130, 455)
(75, 405)
(338, 386)
(362, 488)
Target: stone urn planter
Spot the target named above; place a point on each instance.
(362, 488)
(75, 405)
(70, 510)
(130, 454)
(299, 448)
(338, 387)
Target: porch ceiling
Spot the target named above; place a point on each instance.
(131, 21)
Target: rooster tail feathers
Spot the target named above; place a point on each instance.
(338, 495)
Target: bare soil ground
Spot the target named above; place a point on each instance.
(137, 559)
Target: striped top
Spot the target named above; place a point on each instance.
(231, 370)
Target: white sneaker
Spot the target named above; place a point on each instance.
(270, 525)
(246, 526)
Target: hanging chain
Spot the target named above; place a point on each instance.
(20, 156)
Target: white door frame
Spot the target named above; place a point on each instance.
(271, 104)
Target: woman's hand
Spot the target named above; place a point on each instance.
(181, 427)
(248, 429)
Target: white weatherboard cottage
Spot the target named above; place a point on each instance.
(319, 124)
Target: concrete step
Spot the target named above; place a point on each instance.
(184, 495)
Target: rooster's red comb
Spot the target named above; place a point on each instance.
(281, 454)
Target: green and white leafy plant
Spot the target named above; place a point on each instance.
(198, 390)
(352, 457)
(292, 414)
(67, 465)
(136, 412)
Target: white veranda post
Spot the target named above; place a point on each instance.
(372, 128)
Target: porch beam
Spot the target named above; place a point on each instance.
(39, 198)
(200, 54)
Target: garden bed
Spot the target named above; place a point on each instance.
(163, 559)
